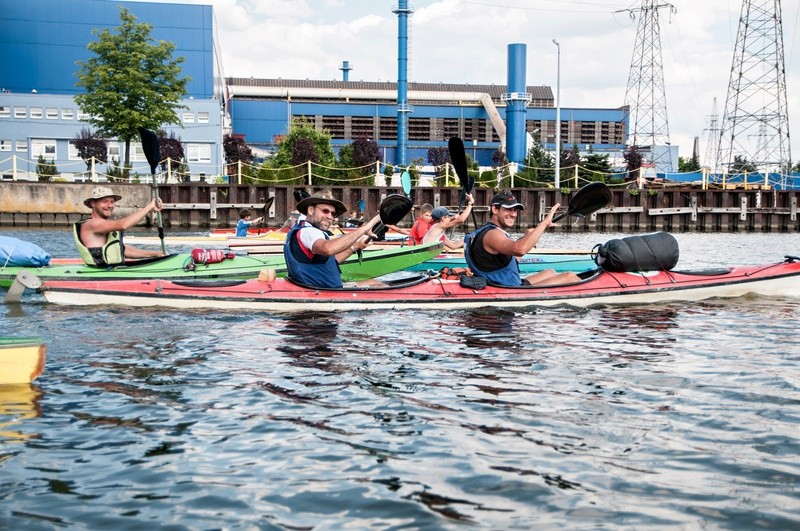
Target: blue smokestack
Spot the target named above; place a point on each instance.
(345, 70)
(403, 109)
(516, 100)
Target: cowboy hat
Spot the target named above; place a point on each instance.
(321, 198)
(99, 193)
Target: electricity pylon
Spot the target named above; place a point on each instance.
(712, 140)
(755, 126)
(645, 95)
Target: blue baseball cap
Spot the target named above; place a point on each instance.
(439, 212)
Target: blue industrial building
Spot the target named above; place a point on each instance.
(43, 39)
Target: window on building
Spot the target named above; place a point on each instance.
(83, 116)
(451, 127)
(388, 128)
(137, 153)
(202, 117)
(188, 117)
(5, 145)
(361, 127)
(419, 129)
(113, 151)
(73, 151)
(334, 125)
(43, 146)
(21, 145)
(20, 112)
(67, 114)
(5, 111)
(51, 113)
(198, 153)
(36, 113)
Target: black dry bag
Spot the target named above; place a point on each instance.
(649, 252)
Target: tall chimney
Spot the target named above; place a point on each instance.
(403, 108)
(516, 100)
(345, 68)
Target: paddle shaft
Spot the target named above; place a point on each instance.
(153, 153)
(159, 221)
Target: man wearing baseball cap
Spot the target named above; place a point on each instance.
(312, 256)
(491, 253)
(100, 238)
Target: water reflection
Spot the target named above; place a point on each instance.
(308, 339)
(638, 333)
(490, 327)
(18, 402)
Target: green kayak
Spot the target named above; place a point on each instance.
(181, 266)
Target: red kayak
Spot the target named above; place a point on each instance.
(423, 291)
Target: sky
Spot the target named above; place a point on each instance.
(465, 41)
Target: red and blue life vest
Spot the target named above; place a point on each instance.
(306, 267)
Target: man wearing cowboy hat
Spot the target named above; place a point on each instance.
(491, 253)
(99, 238)
(312, 256)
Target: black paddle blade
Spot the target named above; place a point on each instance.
(459, 157)
(587, 200)
(300, 194)
(268, 203)
(394, 208)
(150, 148)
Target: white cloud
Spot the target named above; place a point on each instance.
(463, 41)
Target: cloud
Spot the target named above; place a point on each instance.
(462, 41)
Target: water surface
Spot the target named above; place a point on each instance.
(661, 416)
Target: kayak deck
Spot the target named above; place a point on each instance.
(423, 291)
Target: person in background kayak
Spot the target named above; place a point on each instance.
(312, 256)
(100, 239)
(443, 220)
(491, 253)
(423, 223)
(244, 222)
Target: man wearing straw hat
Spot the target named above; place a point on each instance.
(100, 239)
(312, 256)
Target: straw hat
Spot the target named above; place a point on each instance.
(321, 198)
(99, 193)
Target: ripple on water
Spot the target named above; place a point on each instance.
(619, 417)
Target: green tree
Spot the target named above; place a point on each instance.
(46, 169)
(130, 82)
(358, 162)
(688, 165)
(595, 167)
(741, 165)
(530, 171)
(301, 144)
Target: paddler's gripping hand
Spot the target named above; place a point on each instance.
(368, 228)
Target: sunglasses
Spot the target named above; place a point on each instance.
(327, 211)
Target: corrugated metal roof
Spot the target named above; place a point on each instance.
(496, 91)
